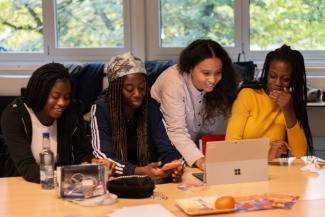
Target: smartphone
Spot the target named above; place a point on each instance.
(199, 176)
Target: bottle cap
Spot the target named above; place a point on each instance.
(46, 135)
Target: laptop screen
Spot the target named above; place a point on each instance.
(237, 161)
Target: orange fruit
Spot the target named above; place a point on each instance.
(225, 202)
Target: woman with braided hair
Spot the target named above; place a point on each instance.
(276, 107)
(45, 107)
(127, 125)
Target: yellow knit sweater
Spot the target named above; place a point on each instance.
(255, 115)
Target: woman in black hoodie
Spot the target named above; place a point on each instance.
(46, 106)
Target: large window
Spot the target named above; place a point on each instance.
(299, 23)
(184, 21)
(63, 30)
(21, 26)
(89, 24)
(241, 26)
(95, 30)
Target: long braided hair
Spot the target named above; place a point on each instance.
(114, 103)
(298, 85)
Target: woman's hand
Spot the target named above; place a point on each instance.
(277, 148)
(176, 168)
(152, 170)
(200, 163)
(282, 98)
(107, 163)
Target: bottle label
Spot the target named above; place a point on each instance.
(47, 159)
(49, 171)
(42, 175)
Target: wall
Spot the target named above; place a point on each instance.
(10, 85)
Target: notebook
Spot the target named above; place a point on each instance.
(237, 161)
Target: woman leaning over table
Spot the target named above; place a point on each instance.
(46, 107)
(193, 93)
(276, 107)
(127, 126)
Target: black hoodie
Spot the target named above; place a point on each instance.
(16, 125)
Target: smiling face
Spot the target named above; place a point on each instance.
(279, 76)
(58, 100)
(134, 90)
(206, 75)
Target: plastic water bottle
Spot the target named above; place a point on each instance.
(46, 164)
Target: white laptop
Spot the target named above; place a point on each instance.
(237, 161)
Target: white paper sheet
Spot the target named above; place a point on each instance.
(142, 211)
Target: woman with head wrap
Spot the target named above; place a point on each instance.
(127, 125)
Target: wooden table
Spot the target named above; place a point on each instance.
(21, 198)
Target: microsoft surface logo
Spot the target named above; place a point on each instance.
(237, 172)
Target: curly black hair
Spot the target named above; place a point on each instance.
(220, 99)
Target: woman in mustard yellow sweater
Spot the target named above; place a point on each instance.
(276, 107)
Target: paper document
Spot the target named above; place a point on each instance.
(142, 211)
